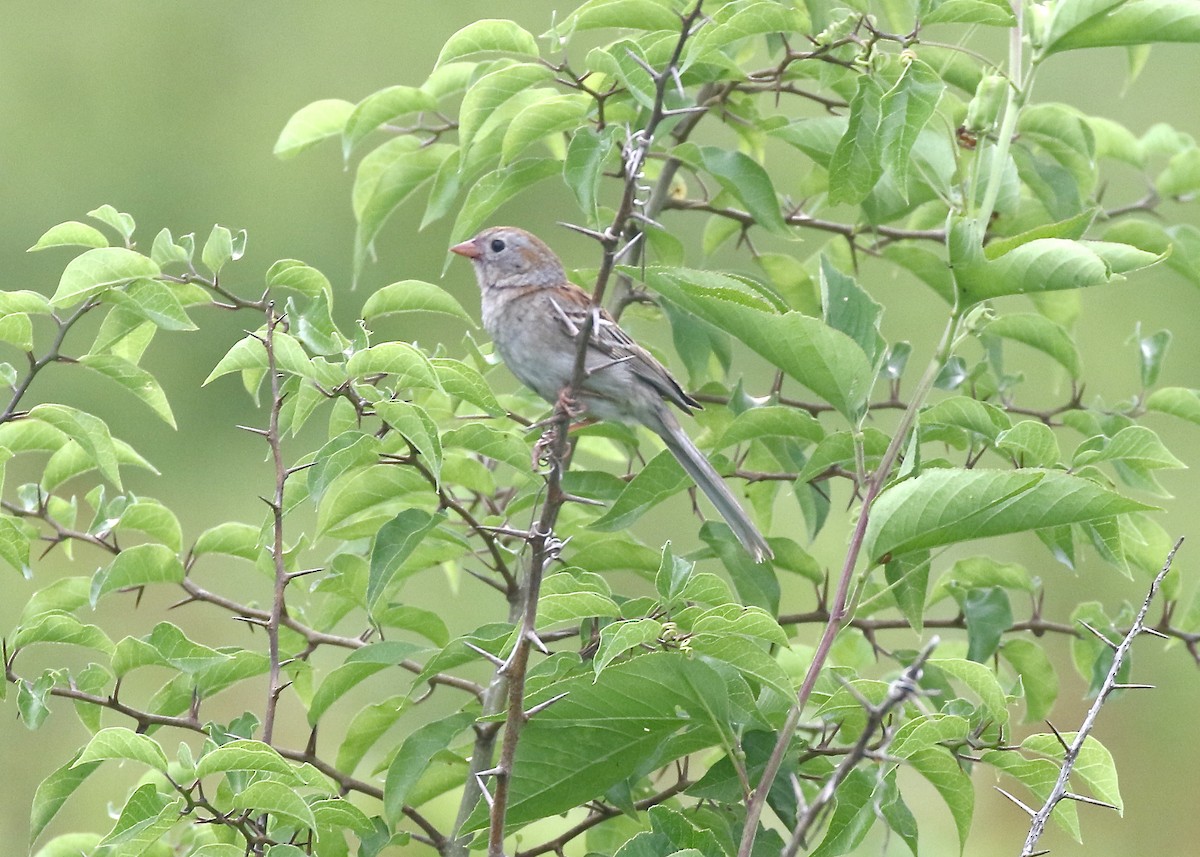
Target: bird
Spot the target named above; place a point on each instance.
(533, 314)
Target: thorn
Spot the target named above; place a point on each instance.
(1015, 800)
(251, 620)
(602, 237)
(649, 69)
(536, 642)
(1091, 800)
(295, 574)
(679, 111)
(1041, 853)
(182, 602)
(1154, 632)
(629, 245)
(1062, 741)
(487, 796)
(637, 215)
(254, 430)
(1099, 636)
(542, 706)
(490, 772)
(1122, 686)
(485, 653)
(586, 501)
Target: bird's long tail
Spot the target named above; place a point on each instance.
(710, 482)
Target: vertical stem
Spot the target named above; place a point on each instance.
(1015, 100)
(274, 685)
(542, 542)
(838, 611)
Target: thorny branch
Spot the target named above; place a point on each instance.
(544, 547)
(1060, 791)
(903, 688)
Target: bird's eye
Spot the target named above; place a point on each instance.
(497, 245)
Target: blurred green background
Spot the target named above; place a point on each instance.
(169, 110)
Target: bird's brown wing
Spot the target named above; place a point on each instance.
(573, 305)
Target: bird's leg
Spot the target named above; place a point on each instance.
(569, 405)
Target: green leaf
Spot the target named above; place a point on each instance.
(490, 442)
(88, 431)
(409, 366)
(1176, 401)
(1094, 764)
(1073, 228)
(743, 178)
(988, 614)
(412, 296)
(633, 14)
(117, 742)
(1097, 24)
(462, 381)
(491, 91)
(230, 538)
(120, 222)
(1152, 351)
(497, 188)
(941, 507)
(608, 727)
(64, 629)
(853, 815)
(385, 178)
(567, 598)
(396, 539)
(1042, 265)
(99, 270)
(294, 274)
(771, 421)
(152, 518)
(583, 166)
(414, 757)
(487, 36)
(992, 12)
(1037, 331)
(1038, 678)
(347, 451)
(825, 360)
(1031, 443)
(848, 308)
(555, 114)
(53, 792)
(16, 329)
(658, 480)
(219, 248)
(1134, 444)
(618, 638)
(360, 665)
(857, 162)
(414, 424)
(70, 234)
(1038, 775)
(277, 799)
(167, 646)
(164, 250)
(152, 300)
(144, 821)
(736, 21)
(905, 110)
(379, 108)
(134, 379)
(311, 124)
(981, 680)
(366, 727)
(946, 775)
(15, 545)
(138, 565)
(247, 755)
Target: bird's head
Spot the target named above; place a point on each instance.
(505, 256)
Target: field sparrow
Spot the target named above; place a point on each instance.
(533, 314)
